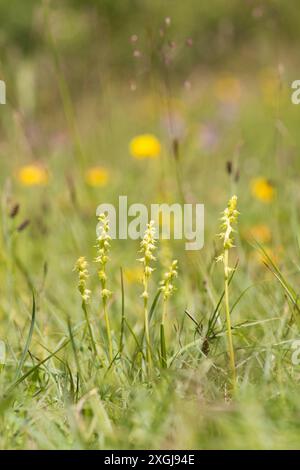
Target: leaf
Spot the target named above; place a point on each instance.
(36, 367)
(269, 263)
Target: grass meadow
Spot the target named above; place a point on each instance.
(145, 345)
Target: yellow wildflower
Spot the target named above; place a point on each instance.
(133, 275)
(33, 175)
(274, 254)
(96, 176)
(260, 232)
(263, 190)
(228, 89)
(270, 85)
(145, 146)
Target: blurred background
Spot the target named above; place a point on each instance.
(209, 81)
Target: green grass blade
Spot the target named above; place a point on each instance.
(28, 341)
(87, 319)
(36, 367)
(74, 348)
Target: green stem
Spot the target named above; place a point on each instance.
(164, 314)
(123, 314)
(163, 349)
(228, 322)
(108, 332)
(84, 308)
(146, 323)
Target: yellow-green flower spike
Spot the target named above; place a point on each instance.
(166, 285)
(83, 274)
(229, 218)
